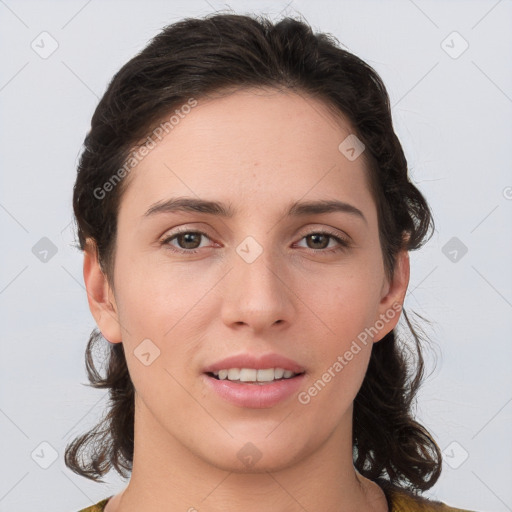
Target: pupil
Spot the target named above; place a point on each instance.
(316, 237)
(186, 237)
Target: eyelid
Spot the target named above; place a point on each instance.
(306, 231)
(326, 229)
(167, 236)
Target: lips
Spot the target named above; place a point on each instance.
(260, 362)
(255, 395)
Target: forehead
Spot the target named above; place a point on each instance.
(250, 145)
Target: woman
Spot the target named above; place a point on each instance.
(245, 213)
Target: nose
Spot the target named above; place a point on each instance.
(256, 294)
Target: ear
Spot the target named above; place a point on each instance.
(100, 296)
(393, 296)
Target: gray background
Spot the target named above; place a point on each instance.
(451, 110)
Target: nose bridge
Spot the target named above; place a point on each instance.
(257, 294)
(256, 266)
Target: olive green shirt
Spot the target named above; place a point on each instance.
(398, 502)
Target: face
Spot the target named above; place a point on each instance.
(193, 287)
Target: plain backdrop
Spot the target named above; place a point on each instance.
(447, 67)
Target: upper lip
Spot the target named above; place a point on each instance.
(256, 362)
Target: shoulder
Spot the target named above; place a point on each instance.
(403, 501)
(98, 507)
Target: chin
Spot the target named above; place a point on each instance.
(262, 465)
(257, 454)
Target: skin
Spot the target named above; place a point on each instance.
(257, 151)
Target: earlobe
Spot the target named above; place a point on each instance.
(391, 303)
(100, 296)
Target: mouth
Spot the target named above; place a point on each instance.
(252, 388)
(255, 381)
(254, 376)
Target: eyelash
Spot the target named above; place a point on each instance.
(343, 243)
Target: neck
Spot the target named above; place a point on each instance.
(166, 476)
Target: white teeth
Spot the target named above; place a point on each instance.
(278, 373)
(253, 375)
(265, 375)
(248, 374)
(234, 373)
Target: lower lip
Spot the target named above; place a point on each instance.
(255, 396)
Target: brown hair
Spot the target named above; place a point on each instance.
(196, 57)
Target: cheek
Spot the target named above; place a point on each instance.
(346, 312)
(156, 297)
(348, 301)
(340, 359)
(163, 313)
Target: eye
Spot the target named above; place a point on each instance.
(320, 238)
(187, 238)
(189, 241)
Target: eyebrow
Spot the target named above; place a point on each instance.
(296, 209)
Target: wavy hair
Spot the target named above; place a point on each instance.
(194, 58)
